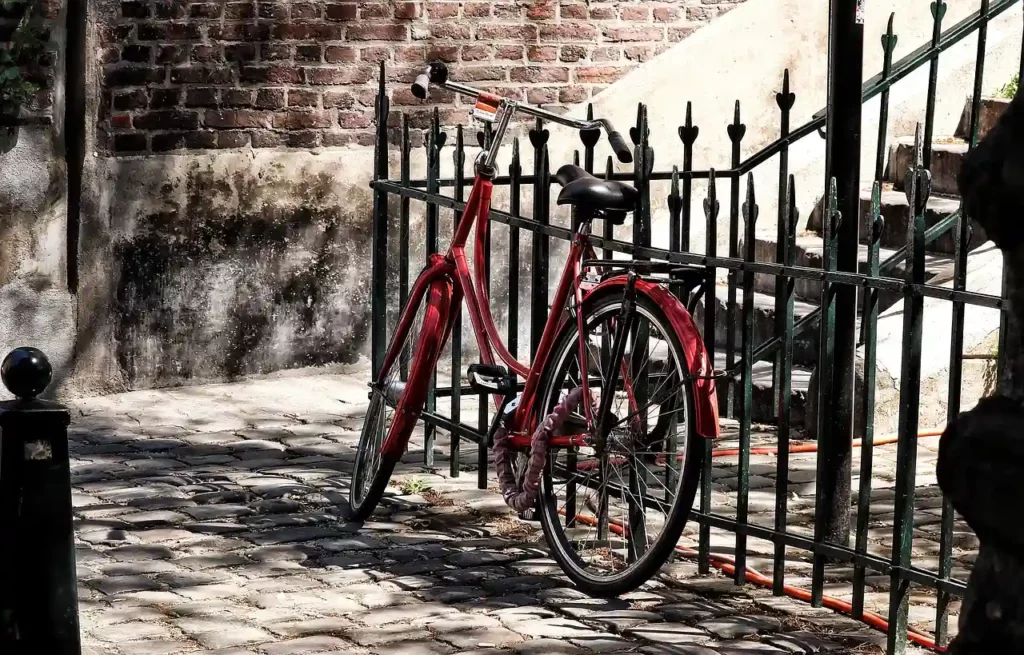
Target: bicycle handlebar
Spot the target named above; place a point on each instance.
(437, 74)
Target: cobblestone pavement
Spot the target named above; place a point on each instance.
(209, 521)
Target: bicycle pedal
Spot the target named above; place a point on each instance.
(529, 515)
(487, 378)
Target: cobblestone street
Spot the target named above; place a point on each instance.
(209, 520)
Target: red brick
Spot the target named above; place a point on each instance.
(443, 9)
(137, 53)
(476, 9)
(354, 120)
(236, 98)
(275, 52)
(240, 52)
(506, 11)
(121, 121)
(205, 10)
(273, 10)
(446, 53)
(340, 75)
(375, 54)
(568, 32)
(599, 74)
(446, 31)
(411, 54)
(337, 54)
(541, 10)
(374, 10)
(205, 53)
(680, 33)
(408, 10)
(476, 52)
(341, 11)
(134, 142)
(303, 98)
(302, 120)
(201, 75)
(701, 13)
(394, 32)
(135, 9)
(340, 99)
(572, 94)
(546, 74)
(232, 139)
(239, 11)
(635, 13)
(599, 12)
(638, 53)
(543, 95)
(480, 74)
(304, 139)
(542, 53)
(573, 53)
(270, 98)
(266, 139)
(509, 52)
(236, 119)
(666, 14)
(507, 32)
(164, 98)
(634, 33)
(574, 11)
(202, 97)
(606, 53)
(305, 11)
(167, 119)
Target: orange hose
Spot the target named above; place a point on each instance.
(728, 565)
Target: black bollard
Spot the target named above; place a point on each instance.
(38, 587)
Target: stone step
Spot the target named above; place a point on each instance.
(947, 159)
(805, 349)
(992, 110)
(897, 215)
(763, 410)
(809, 253)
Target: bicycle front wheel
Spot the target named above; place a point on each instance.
(397, 397)
(613, 512)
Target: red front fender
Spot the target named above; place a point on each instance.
(705, 396)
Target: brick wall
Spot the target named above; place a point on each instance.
(199, 75)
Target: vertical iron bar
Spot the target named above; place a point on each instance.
(888, 46)
(787, 256)
(846, 41)
(736, 131)
(455, 450)
(379, 264)
(688, 133)
(961, 246)
(608, 230)
(869, 321)
(541, 190)
(784, 100)
(826, 352)
(711, 209)
(938, 8)
(743, 492)
(403, 236)
(918, 190)
(515, 174)
(434, 143)
(589, 139)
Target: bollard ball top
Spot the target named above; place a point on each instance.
(26, 372)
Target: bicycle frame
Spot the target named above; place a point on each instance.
(449, 279)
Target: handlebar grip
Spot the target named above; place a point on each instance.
(434, 73)
(619, 146)
(421, 85)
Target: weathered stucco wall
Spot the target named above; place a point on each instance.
(200, 267)
(35, 306)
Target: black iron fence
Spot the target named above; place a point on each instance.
(901, 274)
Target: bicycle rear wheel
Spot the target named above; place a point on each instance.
(397, 397)
(613, 515)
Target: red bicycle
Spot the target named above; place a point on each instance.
(614, 481)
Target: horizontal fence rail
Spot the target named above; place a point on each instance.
(694, 195)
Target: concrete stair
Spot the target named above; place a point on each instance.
(947, 158)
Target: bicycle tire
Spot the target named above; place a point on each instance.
(409, 402)
(645, 568)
